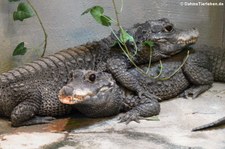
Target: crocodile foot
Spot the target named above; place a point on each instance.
(129, 116)
(195, 91)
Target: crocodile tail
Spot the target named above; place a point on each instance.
(216, 123)
(78, 57)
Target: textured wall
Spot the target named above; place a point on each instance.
(66, 28)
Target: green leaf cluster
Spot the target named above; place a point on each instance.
(97, 13)
(24, 11)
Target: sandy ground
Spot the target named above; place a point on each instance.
(170, 130)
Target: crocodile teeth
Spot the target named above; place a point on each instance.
(78, 97)
(67, 100)
(192, 40)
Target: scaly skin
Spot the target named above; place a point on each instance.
(204, 65)
(31, 90)
(118, 65)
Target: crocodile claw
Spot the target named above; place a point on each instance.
(191, 93)
(194, 91)
(129, 117)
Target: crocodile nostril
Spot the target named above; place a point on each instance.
(67, 91)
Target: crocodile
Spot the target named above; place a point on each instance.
(88, 91)
(28, 94)
(97, 94)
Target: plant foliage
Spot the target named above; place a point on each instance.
(24, 11)
(97, 13)
(20, 49)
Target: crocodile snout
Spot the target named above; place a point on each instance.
(69, 95)
(66, 91)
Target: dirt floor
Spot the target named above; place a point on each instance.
(170, 130)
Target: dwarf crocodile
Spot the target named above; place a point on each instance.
(97, 94)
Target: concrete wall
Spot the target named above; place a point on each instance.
(67, 28)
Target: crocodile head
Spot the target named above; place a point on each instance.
(167, 39)
(94, 94)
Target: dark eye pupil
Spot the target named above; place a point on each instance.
(169, 28)
(92, 77)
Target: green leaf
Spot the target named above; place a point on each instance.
(97, 14)
(105, 20)
(14, 0)
(20, 49)
(148, 43)
(24, 11)
(153, 118)
(124, 36)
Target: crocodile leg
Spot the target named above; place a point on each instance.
(139, 108)
(118, 67)
(24, 113)
(197, 70)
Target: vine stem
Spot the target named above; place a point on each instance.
(184, 61)
(121, 9)
(42, 26)
(126, 51)
(150, 59)
(116, 13)
(120, 28)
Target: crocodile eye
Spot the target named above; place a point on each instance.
(92, 77)
(168, 28)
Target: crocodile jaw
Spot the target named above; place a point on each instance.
(80, 96)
